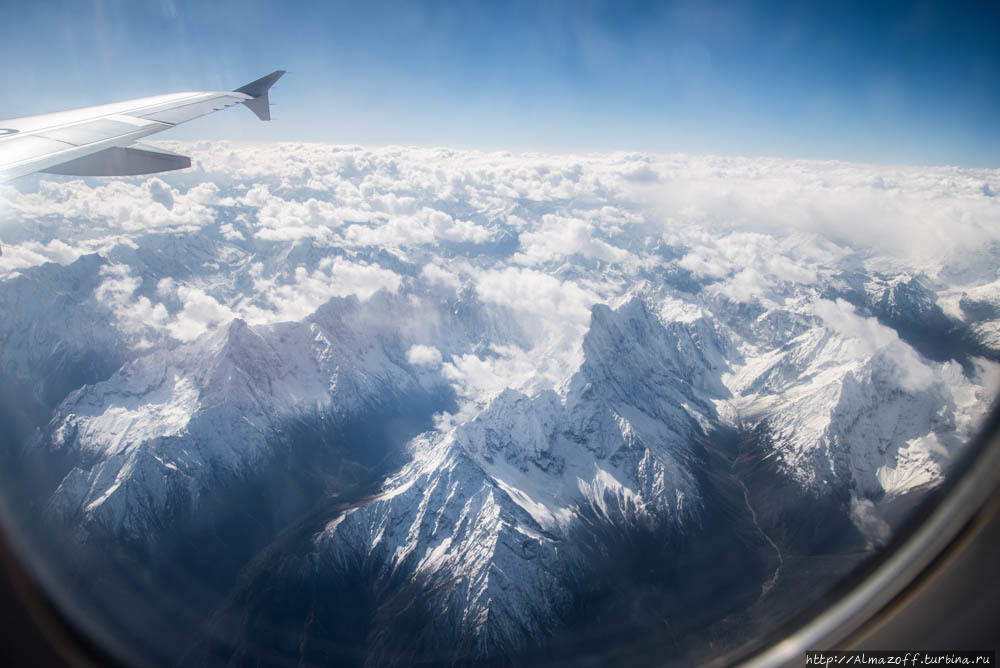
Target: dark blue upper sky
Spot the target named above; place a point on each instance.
(875, 81)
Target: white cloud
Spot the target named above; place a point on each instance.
(199, 312)
(279, 219)
(555, 314)
(929, 216)
(421, 355)
(480, 378)
(124, 206)
(745, 285)
(296, 296)
(873, 338)
(319, 221)
(750, 265)
(437, 275)
(257, 196)
(558, 237)
(553, 304)
(27, 254)
(706, 264)
(137, 317)
(866, 518)
(160, 193)
(425, 226)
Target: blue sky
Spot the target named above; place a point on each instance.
(896, 82)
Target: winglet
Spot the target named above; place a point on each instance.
(257, 90)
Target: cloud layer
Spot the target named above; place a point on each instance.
(269, 233)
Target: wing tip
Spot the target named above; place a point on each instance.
(259, 87)
(259, 103)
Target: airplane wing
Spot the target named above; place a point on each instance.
(101, 141)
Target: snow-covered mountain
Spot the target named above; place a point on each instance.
(482, 516)
(843, 419)
(486, 385)
(164, 427)
(57, 334)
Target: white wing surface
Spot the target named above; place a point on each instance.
(101, 141)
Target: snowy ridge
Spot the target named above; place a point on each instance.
(165, 424)
(844, 414)
(486, 567)
(483, 514)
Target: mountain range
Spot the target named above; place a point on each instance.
(309, 451)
